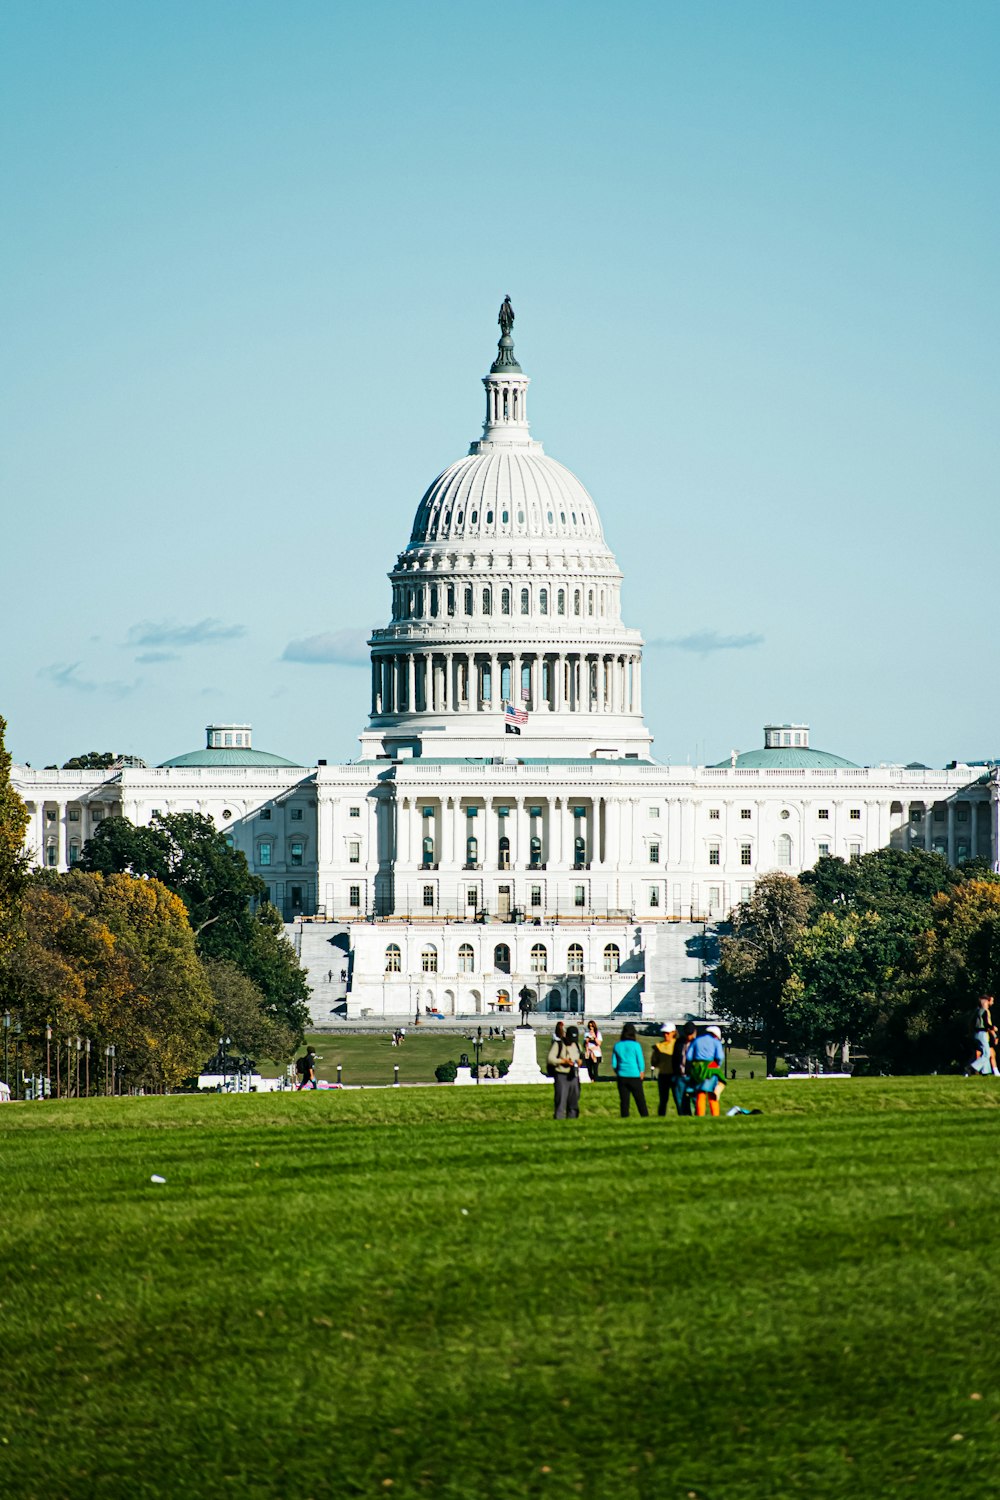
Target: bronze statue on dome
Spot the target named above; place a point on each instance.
(506, 318)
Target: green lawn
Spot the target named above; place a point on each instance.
(443, 1292)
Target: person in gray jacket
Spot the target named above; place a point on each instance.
(564, 1061)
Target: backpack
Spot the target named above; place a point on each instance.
(550, 1067)
(301, 1064)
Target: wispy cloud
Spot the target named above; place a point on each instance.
(168, 633)
(66, 675)
(346, 648)
(153, 656)
(703, 641)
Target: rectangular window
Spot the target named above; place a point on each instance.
(265, 814)
(654, 895)
(654, 854)
(296, 815)
(296, 896)
(267, 895)
(713, 812)
(451, 598)
(428, 895)
(50, 815)
(824, 812)
(938, 812)
(296, 854)
(74, 815)
(536, 895)
(962, 813)
(714, 854)
(74, 852)
(856, 814)
(744, 893)
(746, 857)
(654, 812)
(354, 852)
(472, 898)
(579, 895)
(264, 854)
(824, 850)
(854, 850)
(229, 739)
(962, 852)
(916, 815)
(745, 812)
(355, 812)
(354, 895)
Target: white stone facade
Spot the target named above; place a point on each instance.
(453, 841)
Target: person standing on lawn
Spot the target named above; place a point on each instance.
(564, 1064)
(661, 1060)
(593, 1042)
(682, 1090)
(706, 1067)
(629, 1068)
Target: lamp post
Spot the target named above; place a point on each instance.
(17, 1065)
(109, 1069)
(223, 1047)
(79, 1049)
(48, 1058)
(87, 1056)
(478, 1044)
(6, 1033)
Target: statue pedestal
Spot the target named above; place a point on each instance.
(464, 1075)
(524, 1068)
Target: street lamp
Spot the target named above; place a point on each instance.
(6, 1033)
(87, 1055)
(48, 1058)
(109, 1069)
(478, 1044)
(17, 1066)
(223, 1047)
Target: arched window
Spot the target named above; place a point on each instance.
(472, 850)
(505, 602)
(576, 601)
(536, 851)
(468, 601)
(539, 958)
(612, 958)
(501, 958)
(525, 602)
(429, 959)
(451, 598)
(574, 959)
(392, 959)
(555, 1000)
(543, 601)
(784, 849)
(561, 602)
(574, 999)
(580, 850)
(590, 602)
(428, 848)
(487, 601)
(504, 853)
(466, 958)
(434, 598)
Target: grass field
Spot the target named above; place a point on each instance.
(442, 1292)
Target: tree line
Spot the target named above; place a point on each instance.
(157, 942)
(884, 957)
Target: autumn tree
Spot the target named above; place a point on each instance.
(240, 1011)
(14, 863)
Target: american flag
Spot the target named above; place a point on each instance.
(514, 716)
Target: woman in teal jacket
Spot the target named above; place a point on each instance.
(629, 1068)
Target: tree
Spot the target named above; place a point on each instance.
(841, 985)
(957, 961)
(230, 919)
(240, 1011)
(93, 760)
(894, 882)
(113, 959)
(755, 960)
(14, 863)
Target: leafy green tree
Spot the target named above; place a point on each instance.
(893, 882)
(93, 760)
(842, 984)
(230, 919)
(14, 862)
(240, 1011)
(755, 961)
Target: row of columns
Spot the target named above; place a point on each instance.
(951, 829)
(468, 682)
(605, 827)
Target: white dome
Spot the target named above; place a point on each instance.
(506, 493)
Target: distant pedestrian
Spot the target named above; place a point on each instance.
(306, 1069)
(661, 1061)
(593, 1042)
(564, 1065)
(629, 1067)
(559, 1035)
(706, 1070)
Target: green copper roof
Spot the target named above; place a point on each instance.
(229, 757)
(787, 758)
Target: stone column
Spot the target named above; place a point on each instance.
(411, 681)
(973, 830)
(559, 684)
(520, 852)
(376, 694)
(638, 684)
(495, 684)
(403, 830)
(950, 825)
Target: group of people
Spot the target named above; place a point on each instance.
(984, 1040)
(689, 1066)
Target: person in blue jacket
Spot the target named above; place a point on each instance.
(629, 1068)
(706, 1070)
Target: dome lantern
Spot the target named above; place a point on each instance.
(506, 391)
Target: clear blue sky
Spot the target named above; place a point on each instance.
(251, 259)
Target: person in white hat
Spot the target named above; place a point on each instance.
(662, 1061)
(706, 1061)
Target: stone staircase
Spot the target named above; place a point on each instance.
(323, 950)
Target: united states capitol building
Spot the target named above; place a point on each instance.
(506, 824)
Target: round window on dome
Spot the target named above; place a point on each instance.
(785, 813)
(506, 517)
(520, 518)
(458, 518)
(574, 518)
(551, 518)
(489, 518)
(474, 517)
(562, 517)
